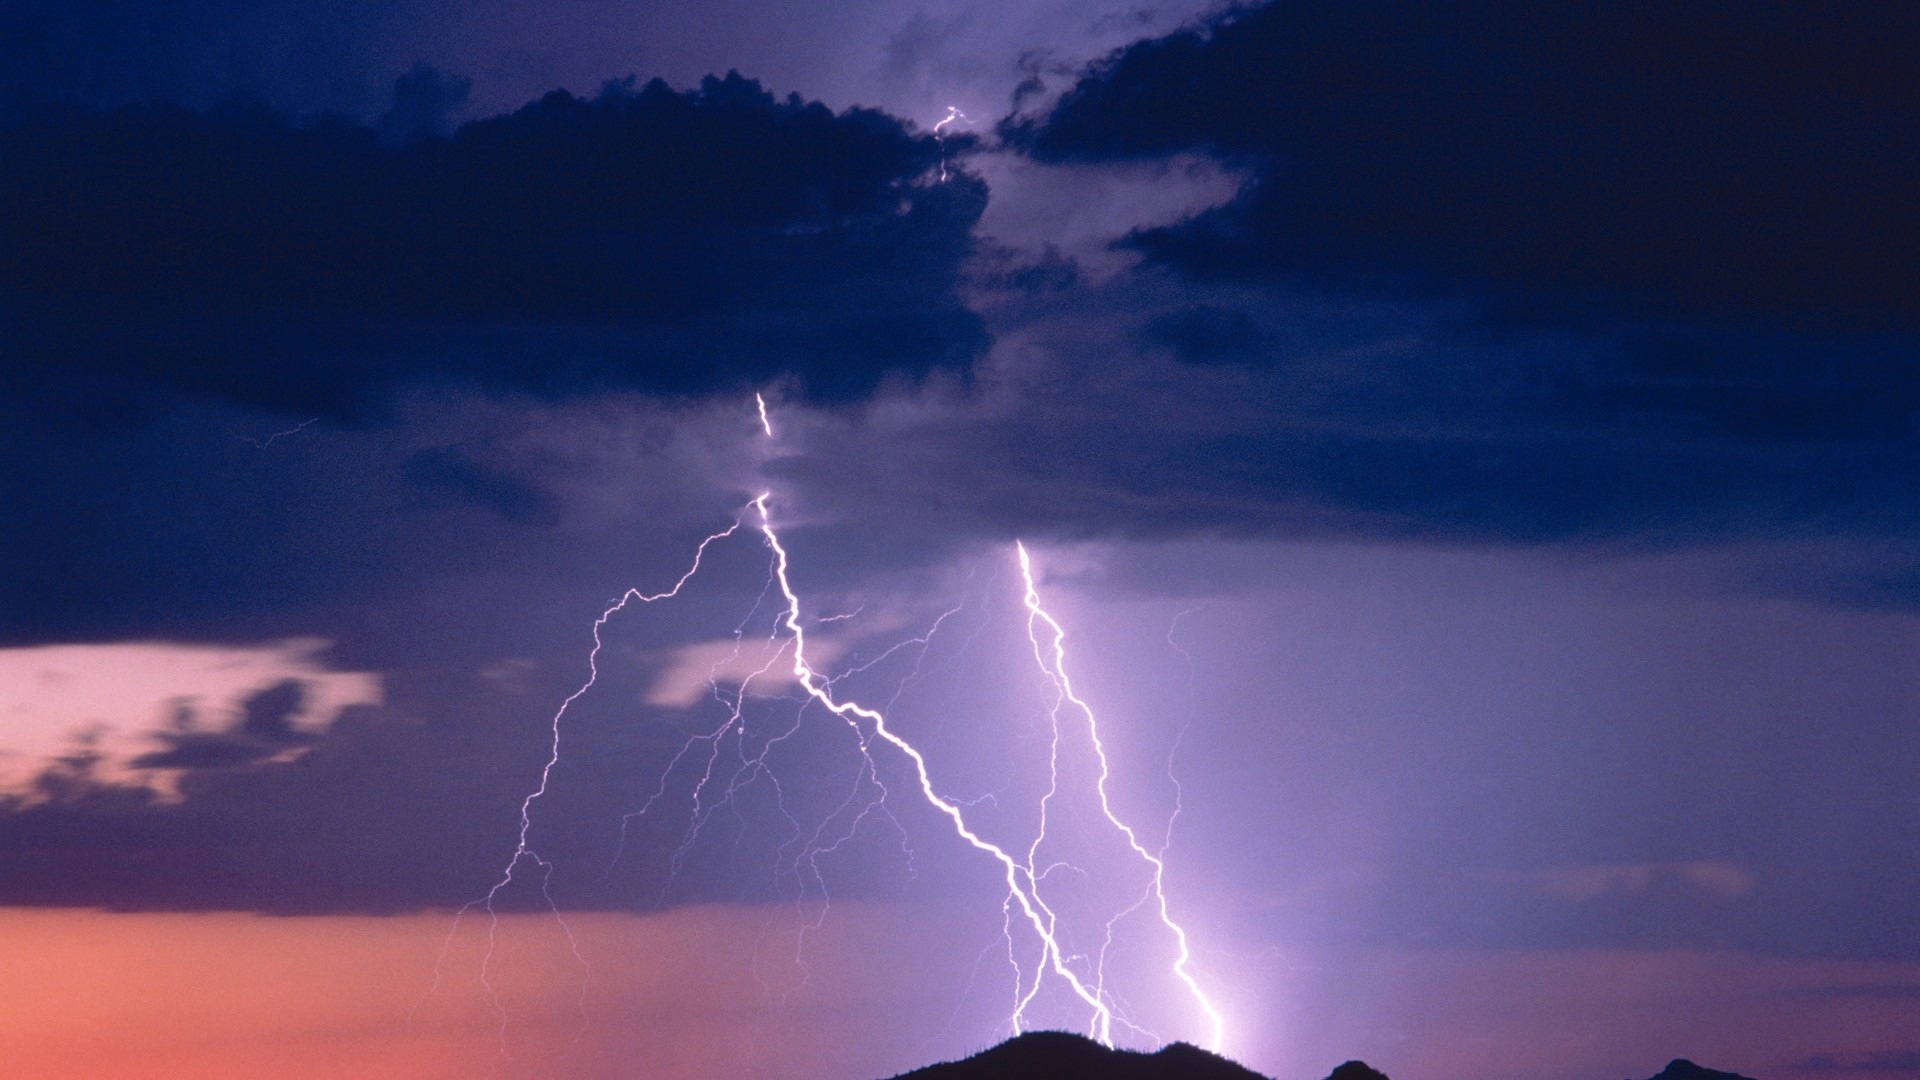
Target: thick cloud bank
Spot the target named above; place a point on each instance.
(670, 242)
(1522, 271)
(1729, 159)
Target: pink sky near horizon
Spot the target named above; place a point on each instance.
(677, 995)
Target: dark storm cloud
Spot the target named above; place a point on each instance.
(424, 102)
(1507, 271)
(447, 471)
(110, 52)
(670, 242)
(1206, 333)
(1733, 159)
(1248, 411)
(134, 515)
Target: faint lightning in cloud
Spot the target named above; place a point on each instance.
(939, 135)
(953, 113)
(263, 442)
(523, 851)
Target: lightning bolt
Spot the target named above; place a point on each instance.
(1033, 921)
(263, 443)
(1022, 883)
(524, 851)
(1053, 661)
(953, 114)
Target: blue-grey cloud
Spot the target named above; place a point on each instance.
(1524, 272)
(677, 243)
(1743, 160)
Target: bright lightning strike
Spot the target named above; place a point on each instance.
(1054, 662)
(1022, 884)
(1038, 913)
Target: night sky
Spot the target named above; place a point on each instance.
(1472, 450)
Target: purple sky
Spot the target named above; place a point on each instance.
(1473, 452)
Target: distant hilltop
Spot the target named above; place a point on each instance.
(1058, 1055)
(1682, 1069)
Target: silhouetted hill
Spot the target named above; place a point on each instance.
(1682, 1069)
(1056, 1055)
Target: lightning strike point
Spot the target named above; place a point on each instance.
(1054, 664)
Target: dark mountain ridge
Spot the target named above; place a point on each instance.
(1059, 1055)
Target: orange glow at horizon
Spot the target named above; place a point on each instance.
(225, 996)
(697, 993)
